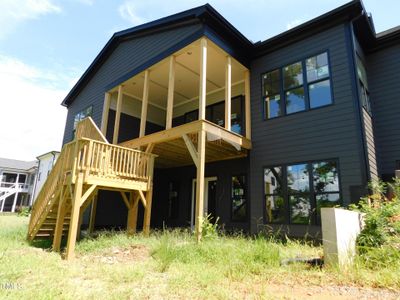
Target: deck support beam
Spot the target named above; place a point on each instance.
(149, 198)
(171, 86)
(200, 184)
(61, 212)
(228, 92)
(203, 79)
(117, 115)
(247, 103)
(73, 226)
(192, 149)
(132, 214)
(93, 210)
(145, 102)
(106, 109)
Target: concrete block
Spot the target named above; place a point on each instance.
(340, 229)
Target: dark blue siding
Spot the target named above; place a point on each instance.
(383, 72)
(328, 132)
(126, 57)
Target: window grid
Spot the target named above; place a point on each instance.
(312, 193)
(305, 86)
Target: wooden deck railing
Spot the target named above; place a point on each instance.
(91, 154)
(110, 161)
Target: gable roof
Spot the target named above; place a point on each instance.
(352, 11)
(203, 14)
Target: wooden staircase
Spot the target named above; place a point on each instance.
(85, 166)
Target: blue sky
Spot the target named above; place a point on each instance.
(45, 46)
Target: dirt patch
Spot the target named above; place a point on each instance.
(329, 292)
(114, 255)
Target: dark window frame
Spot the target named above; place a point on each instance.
(313, 193)
(246, 194)
(210, 107)
(79, 112)
(364, 94)
(305, 87)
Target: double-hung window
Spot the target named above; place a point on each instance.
(300, 86)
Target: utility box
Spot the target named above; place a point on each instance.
(340, 229)
(397, 173)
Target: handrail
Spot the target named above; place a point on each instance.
(90, 154)
(109, 161)
(62, 165)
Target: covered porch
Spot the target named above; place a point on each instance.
(190, 108)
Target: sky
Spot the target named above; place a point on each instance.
(46, 45)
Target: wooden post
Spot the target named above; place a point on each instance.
(106, 109)
(171, 86)
(61, 212)
(117, 115)
(93, 210)
(145, 100)
(203, 79)
(200, 184)
(228, 92)
(149, 197)
(247, 103)
(73, 226)
(132, 214)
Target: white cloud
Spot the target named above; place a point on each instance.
(128, 11)
(31, 118)
(13, 12)
(294, 23)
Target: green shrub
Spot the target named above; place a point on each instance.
(23, 211)
(379, 240)
(209, 229)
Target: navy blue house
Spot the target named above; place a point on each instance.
(294, 123)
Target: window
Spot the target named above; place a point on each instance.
(298, 183)
(87, 112)
(216, 113)
(239, 201)
(304, 85)
(297, 192)
(363, 83)
(274, 201)
(272, 95)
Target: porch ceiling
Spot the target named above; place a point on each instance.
(172, 150)
(186, 75)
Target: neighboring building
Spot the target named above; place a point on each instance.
(300, 121)
(17, 183)
(45, 165)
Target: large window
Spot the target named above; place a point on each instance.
(297, 87)
(239, 201)
(216, 114)
(295, 193)
(87, 112)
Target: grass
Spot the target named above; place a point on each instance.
(169, 265)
